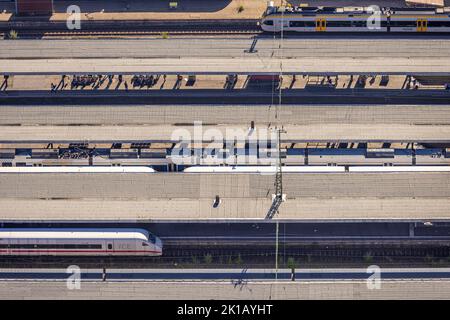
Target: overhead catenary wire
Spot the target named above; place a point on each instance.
(278, 178)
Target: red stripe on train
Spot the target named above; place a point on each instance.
(93, 251)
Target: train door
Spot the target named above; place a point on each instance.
(321, 24)
(425, 25)
(422, 25)
(109, 247)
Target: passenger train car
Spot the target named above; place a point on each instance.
(79, 242)
(355, 19)
(312, 169)
(262, 169)
(70, 169)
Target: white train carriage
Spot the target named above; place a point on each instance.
(322, 19)
(419, 23)
(74, 169)
(262, 169)
(335, 23)
(397, 169)
(355, 19)
(79, 242)
(419, 19)
(313, 169)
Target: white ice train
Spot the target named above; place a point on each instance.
(70, 169)
(313, 169)
(262, 169)
(399, 169)
(79, 242)
(355, 19)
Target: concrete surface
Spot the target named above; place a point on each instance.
(220, 114)
(390, 290)
(231, 208)
(418, 66)
(197, 186)
(191, 196)
(267, 48)
(311, 132)
(374, 56)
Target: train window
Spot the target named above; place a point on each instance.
(438, 23)
(359, 24)
(109, 246)
(268, 22)
(144, 244)
(403, 23)
(302, 24)
(52, 246)
(364, 24)
(339, 23)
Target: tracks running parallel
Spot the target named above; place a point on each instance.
(41, 28)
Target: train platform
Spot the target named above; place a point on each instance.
(429, 47)
(244, 65)
(231, 209)
(223, 274)
(206, 186)
(170, 82)
(203, 89)
(418, 56)
(64, 115)
(181, 196)
(167, 133)
(229, 290)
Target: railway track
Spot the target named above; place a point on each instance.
(38, 28)
(108, 34)
(255, 257)
(131, 33)
(130, 28)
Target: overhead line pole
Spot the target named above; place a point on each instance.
(278, 197)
